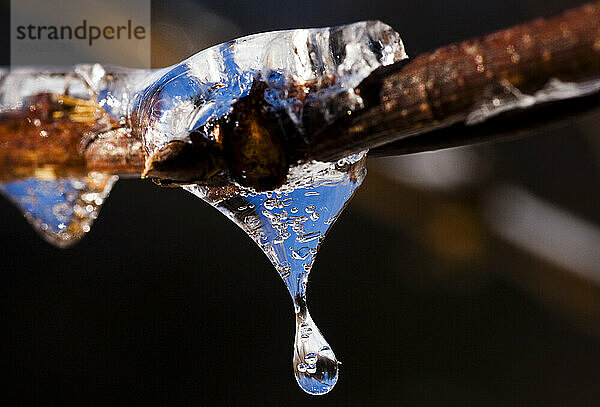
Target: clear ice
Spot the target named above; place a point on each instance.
(320, 67)
(289, 225)
(299, 67)
(61, 210)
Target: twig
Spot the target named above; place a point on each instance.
(427, 102)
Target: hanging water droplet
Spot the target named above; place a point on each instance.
(310, 186)
(321, 372)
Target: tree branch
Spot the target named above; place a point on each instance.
(426, 102)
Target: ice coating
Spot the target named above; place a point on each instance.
(329, 60)
(507, 97)
(57, 110)
(298, 66)
(61, 210)
(289, 225)
(112, 88)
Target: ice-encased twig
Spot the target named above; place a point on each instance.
(427, 103)
(66, 118)
(317, 67)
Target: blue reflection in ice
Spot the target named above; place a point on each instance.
(50, 202)
(289, 226)
(293, 225)
(61, 210)
(298, 66)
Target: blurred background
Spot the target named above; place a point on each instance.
(465, 276)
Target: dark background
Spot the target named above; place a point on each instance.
(167, 302)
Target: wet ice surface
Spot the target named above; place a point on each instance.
(298, 66)
(61, 210)
(165, 104)
(507, 97)
(289, 225)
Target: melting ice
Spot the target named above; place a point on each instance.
(317, 66)
(298, 66)
(61, 210)
(289, 225)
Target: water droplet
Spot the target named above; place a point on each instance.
(321, 372)
(269, 204)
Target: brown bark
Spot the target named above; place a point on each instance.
(438, 89)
